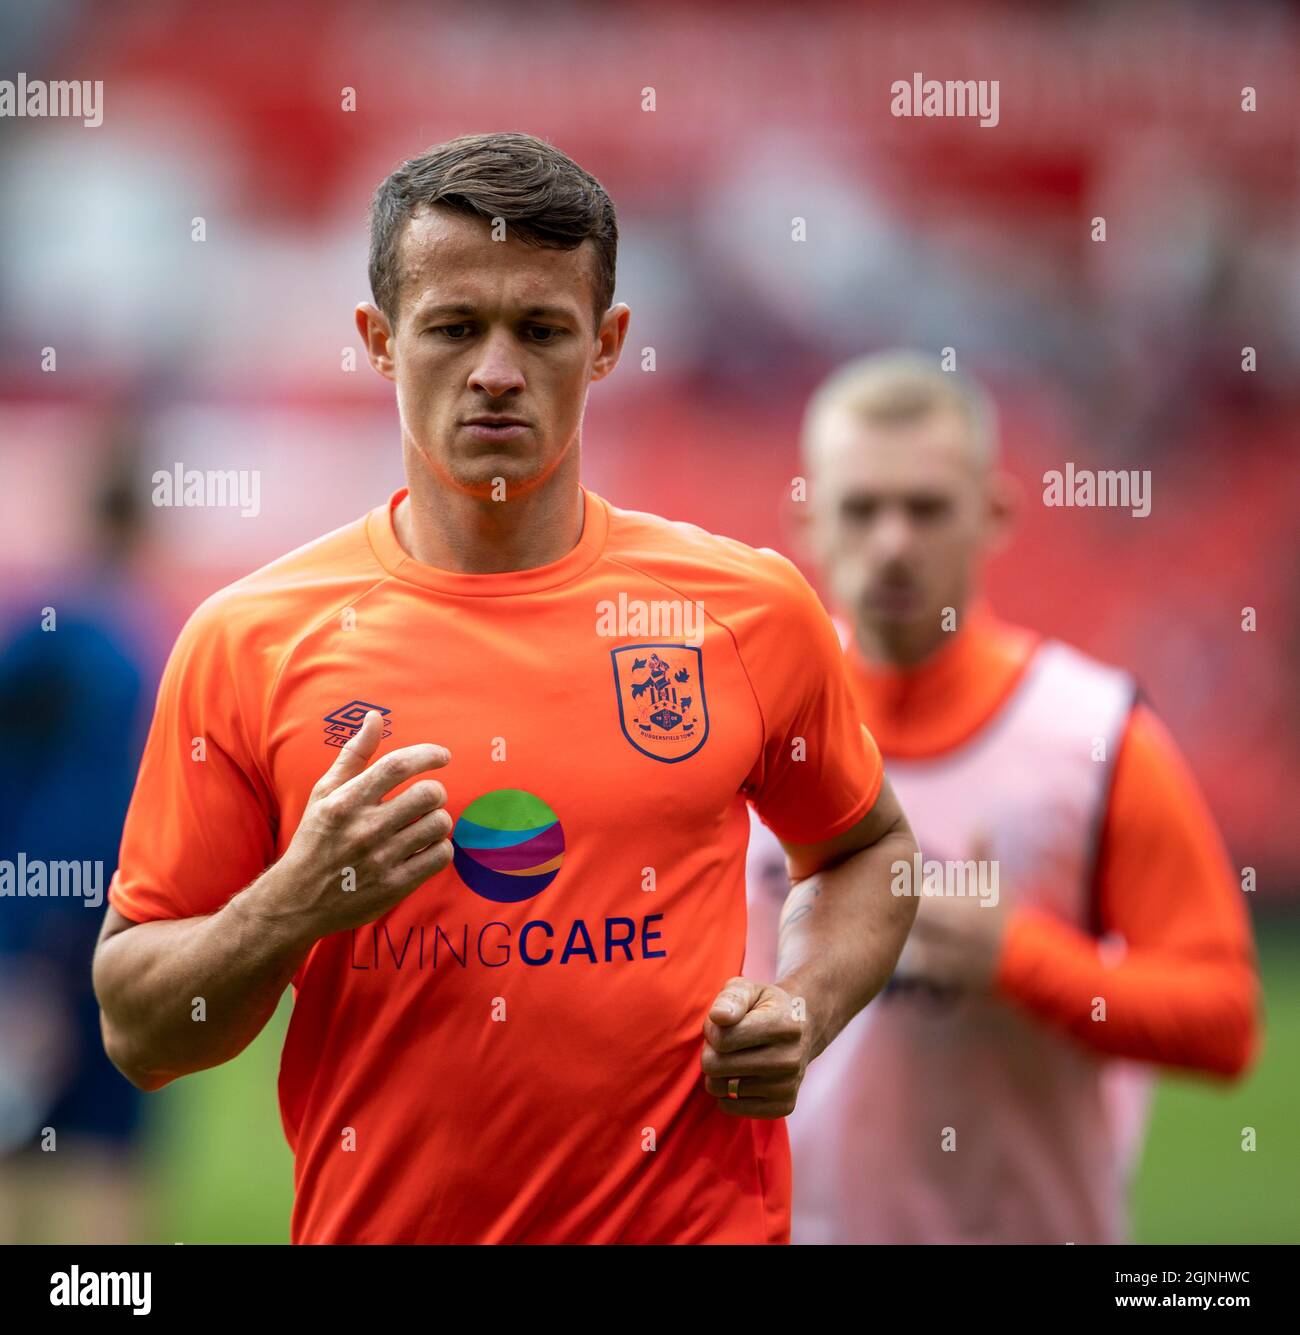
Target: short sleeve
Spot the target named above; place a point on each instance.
(820, 771)
(201, 823)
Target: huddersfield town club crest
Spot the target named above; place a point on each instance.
(661, 701)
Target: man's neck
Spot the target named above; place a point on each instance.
(903, 648)
(934, 704)
(449, 529)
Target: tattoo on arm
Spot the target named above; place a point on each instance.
(799, 905)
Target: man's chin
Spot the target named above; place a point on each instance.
(495, 476)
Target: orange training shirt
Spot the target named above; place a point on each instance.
(1184, 990)
(512, 1054)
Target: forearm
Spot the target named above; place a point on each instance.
(841, 933)
(150, 978)
(1147, 1005)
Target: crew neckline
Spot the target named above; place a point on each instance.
(382, 534)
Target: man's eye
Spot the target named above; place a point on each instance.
(544, 333)
(455, 332)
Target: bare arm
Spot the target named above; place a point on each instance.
(149, 975)
(841, 934)
(841, 928)
(240, 959)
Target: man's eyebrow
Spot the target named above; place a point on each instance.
(465, 308)
(448, 308)
(548, 313)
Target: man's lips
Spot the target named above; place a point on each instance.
(894, 598)
(495, 428)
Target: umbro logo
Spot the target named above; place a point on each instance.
(344, 722)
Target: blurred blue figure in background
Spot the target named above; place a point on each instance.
(75, 689)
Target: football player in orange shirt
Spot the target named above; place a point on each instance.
(996, 1091)
(519, 1014)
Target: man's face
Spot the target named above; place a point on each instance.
(900, 517)
(490, 329)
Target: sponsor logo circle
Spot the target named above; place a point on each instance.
(509, 845)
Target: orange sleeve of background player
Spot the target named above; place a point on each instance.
(1183, 988)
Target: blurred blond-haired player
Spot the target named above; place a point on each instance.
(1092, 928)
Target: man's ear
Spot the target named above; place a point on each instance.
(376, 338)
(795, 521)
(1005, 500)
(610, 336)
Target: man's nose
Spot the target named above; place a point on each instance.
(498, 369)
(891, 535)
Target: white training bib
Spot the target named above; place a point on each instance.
(937, 1118)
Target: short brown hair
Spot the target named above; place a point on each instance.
(545, 198)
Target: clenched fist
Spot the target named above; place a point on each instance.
(756, 1049)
